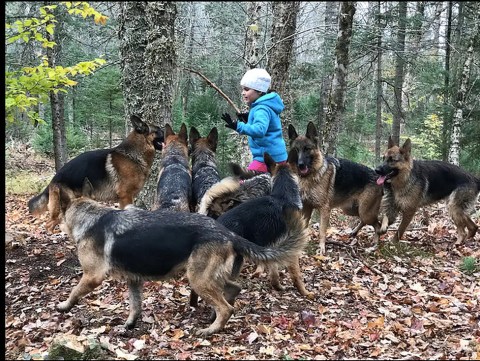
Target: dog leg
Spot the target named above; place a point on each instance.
(223, 311)
(324, 220)
(231, 291)
(357, 228)
(406, 219)
(193, 298)
(297, 278)
(472, 228)
(274, 277)
(135, 289)
(86, 285)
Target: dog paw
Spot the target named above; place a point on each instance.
(63, 306)
(129, 325)
(310, 295)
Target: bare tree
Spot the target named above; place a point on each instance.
(336, 102)
(398, 115)
(158, 86)
(453, 155)
(378, 84)
(282, 38)
(57, 99)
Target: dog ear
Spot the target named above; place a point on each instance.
(212, 138)
(87, 188)
(63, 197)
(407, 147)
(271, 164)
(139, 125)
(182, 135)
(312, 133)
(236, 169)
(292, 133)
(193, 136)
(293, 157)
(391, 143)
(168, 130)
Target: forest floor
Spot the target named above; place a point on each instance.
(408, 300)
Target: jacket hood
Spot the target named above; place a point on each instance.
(272, 100)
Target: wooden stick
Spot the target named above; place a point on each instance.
(209, 82)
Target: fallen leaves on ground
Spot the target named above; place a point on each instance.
(408, 303)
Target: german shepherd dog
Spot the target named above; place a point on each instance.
(410, 184)
(117, 174)
(174, 187)
(327, 183)
(277, 216)
(234, 190)
(139, 245)
(204, 165)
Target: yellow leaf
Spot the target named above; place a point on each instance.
(253, 27)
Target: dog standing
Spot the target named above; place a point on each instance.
(410, 184)
(174, 187)
(139, 245)
(117, 174)
(327, 183)
(278, 216)
(204, 165)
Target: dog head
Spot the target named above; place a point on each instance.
(309, 157)
(171, 136)
(152, 133)
(395, 160)
(203, 143)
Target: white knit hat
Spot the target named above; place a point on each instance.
(257, 79)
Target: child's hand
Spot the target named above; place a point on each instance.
(229, 122)
(243, 117)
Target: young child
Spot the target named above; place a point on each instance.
(262, 123)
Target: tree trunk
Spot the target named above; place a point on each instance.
(379, 88)
(454, 153)
(252, 35)
(284, 25)
(159, 81)
(446, 92)
(336, 102)
(133, 41)
(57, 99)
(398, 115)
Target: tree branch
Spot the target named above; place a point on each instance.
(209, 82)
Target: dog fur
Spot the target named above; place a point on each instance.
(174, 186)
(410, 184)
(117, 174)
(327, 183)
(137, 245)
(204, 165)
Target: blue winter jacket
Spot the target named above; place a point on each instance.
(264, 128)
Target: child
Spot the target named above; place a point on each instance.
(262, 123)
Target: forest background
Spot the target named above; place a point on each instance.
(414, 65)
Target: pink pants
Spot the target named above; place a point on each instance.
(259, 166)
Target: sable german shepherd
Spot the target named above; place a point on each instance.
(410, 184)
(174, 187)
(234, 190)
(117, 174)
(327, 183)
(204, 165)
(138, 245)
(277, 216)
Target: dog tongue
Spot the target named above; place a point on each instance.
(381, 180)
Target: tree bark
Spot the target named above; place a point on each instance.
(133, 41)
(454, 153)
(378, 85)
(336, 102)
(446, 93)
(57, 99)
(398, 115)
(159, 80)
(284, 25)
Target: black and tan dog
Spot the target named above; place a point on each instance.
(277, 216)
(117, 174)
(174, 187)
(410, 184)
(327, 183)
(204, 164)
(138, 245)
(234, 190)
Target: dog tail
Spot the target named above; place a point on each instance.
(290, 245)
(227, 185)
(39, 203)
